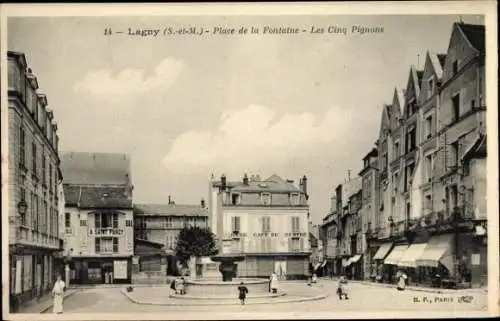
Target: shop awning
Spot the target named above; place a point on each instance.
(396, 254)
(323, 264)
(411, 255)
(317, 266)
(382, 251)
(438, 250)
(355, 258)
(346, 262)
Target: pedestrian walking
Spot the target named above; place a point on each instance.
(274, 283)
(173, 287)
(342, 288)
(181, 286)
(243, 290)
(58, 294)
(401, 277)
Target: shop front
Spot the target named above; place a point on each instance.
(408, 262)
(378, 261)
(392, 260)
(436, 264)
(32, 274)
(115, 270)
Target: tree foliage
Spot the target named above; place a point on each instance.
(195, 241)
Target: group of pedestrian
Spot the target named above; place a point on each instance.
(178, 286)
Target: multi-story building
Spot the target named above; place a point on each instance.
(162, 223)
(352, 242)
(98, 217)
(34, 175)
(462, 154)
(432, 212)
(316, 246)
(369, 209)
(266, 221)
(330, 242)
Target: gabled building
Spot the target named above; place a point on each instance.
(266, 221)
(462, 148)
(98, 219)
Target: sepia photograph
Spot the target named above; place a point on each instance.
(249, 161)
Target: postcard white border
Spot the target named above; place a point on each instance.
(486, 8)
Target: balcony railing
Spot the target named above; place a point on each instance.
(27, 236)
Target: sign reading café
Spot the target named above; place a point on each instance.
(271, 234)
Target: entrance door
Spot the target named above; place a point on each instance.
(280, 268)
(38, 280)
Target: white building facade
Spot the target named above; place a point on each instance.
(266, 221)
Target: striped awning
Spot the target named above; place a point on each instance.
(396, 254)
(382, 251)
(438, 250)
(411, 255)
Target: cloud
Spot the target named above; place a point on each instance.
(129, 83)
(254, 138)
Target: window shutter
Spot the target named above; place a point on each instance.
(115, 245)
(97, 245)
(97, 220)
(115, 220)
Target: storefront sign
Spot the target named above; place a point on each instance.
(295, 234)
(266, 234)
(120, 269)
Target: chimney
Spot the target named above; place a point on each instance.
(304, 185)
(223, 182)
(245, 179)
(202, 203)
(169, 200)
(348, 175)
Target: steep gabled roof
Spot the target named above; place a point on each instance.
(385, 121)
(397, 105)
(437, 63)
(474, 34)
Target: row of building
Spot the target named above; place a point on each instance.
(419, 201)
(73, 213)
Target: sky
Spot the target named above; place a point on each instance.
(185, 107)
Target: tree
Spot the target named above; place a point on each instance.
(195, 241)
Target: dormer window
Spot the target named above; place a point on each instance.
(432, 84)
(266, 199)
(235, 199)
(294, 199)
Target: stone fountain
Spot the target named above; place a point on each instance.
(227, 286)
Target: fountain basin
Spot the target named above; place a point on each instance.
(215, 288)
